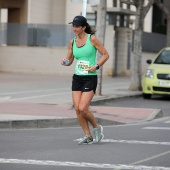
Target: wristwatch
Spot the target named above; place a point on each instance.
(97, 67)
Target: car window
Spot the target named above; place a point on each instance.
(163, 58)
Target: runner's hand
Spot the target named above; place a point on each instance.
(92, 69)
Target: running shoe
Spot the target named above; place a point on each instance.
(98, 133)
(86, 140)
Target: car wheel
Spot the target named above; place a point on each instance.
(146, 96)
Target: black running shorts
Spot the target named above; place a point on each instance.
(84, 83)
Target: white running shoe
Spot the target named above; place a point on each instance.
(98, 133)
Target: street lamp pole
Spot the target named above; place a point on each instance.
(84, 8)
(85, 2)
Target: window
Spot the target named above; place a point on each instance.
(91, 19)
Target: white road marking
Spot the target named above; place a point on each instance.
(35, 91)
(167, 122)
(44, 90)
(32, 97)
(5, 98)
(157, 128)
(132, 142)
(151, 158)
(81, 164)
(117, 85)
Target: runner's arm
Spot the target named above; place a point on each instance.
(70, 56)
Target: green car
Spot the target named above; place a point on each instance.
(157, 77)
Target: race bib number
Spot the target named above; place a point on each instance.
(82, 67)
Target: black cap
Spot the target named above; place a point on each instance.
(79, 21)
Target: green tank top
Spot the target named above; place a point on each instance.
(86, 57)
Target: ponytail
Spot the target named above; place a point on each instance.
(89, 29)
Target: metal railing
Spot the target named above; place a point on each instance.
(153, 42)
(35, 34)
(44, 35)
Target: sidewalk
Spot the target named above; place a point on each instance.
(36, 101)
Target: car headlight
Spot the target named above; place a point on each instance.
(149, 73)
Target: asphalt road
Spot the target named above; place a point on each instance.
(143, 146)
(51, 89)
(156, 102)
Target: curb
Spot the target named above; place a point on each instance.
(49, 123)
(72, 122)
(113, 98)
(66, 122)
(38, 123)
(155, 115)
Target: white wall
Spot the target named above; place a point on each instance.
(73, 9)
(39, 60)
(3, 15)
(33, 60)
(148, 21)
(63, 12)
(40, 11)
(46, 60)
(109, 45)
(124, 36)
(59, 12)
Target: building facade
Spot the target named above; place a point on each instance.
(17, 38)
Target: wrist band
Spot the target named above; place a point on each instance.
(97, 67)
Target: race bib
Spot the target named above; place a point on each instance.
(82, 67)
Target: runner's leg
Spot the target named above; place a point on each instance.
(84, 107)
(77, 95)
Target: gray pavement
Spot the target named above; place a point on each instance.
(43, 101)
